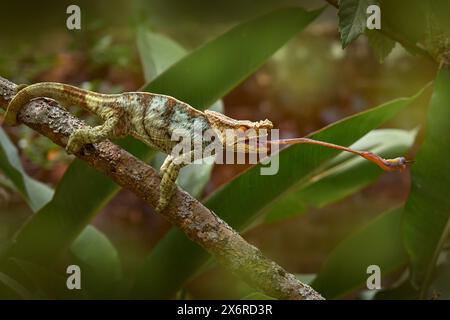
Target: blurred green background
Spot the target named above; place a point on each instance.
(309, 83)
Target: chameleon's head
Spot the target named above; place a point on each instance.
(244, 130)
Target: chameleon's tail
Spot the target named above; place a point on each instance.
(397, 164)
(65, 94)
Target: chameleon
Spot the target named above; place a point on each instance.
(152, 118)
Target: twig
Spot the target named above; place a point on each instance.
(402, 40)
(199, 223)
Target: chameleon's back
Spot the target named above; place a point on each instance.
(159, 119)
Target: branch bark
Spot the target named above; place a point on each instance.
(199, 223)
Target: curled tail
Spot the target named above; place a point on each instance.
(65, 94)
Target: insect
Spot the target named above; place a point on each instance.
(153, 118)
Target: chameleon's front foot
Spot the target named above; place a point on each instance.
(166, 191)
(169, 173)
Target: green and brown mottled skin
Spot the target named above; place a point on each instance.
(151, 118)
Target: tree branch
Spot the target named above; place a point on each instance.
(199, 223)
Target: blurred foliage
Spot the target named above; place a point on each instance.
(379, 243)
(34, 192)
(123, 44)
(427, 210)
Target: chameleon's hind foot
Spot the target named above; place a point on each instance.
(76, 141)
(162, 204)
(166, 164)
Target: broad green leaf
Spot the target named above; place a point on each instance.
(212, 70)
(400, 24)
(200, 78)
(378, 243)
(402, 291)
(157, 52)
(440, 284)
(441, 10)
(427, 210)
(343, 175)
(35, 193)
(381, 45)
(6, 183)
(99, 261)
(78, 198)
(352, 19)
(47, 283)
(242, 200)
(306, 278)
(13, 288)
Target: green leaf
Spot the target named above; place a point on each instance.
(352, 19)
(381, 45)
(378, 243)
(79, 196)
(401, 24)
(212, 70)
(306, 278)
(427, 210)
(157, 52)
(242, 200)
(35, 193)
(6, 183)
(441, 10)
(47, 283)
(200, 78)
(99, 262)
(14, 288)
(440, 284)
(343, 175)
(402, 291)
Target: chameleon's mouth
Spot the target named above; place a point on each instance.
(252, 141)
(247, 140)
